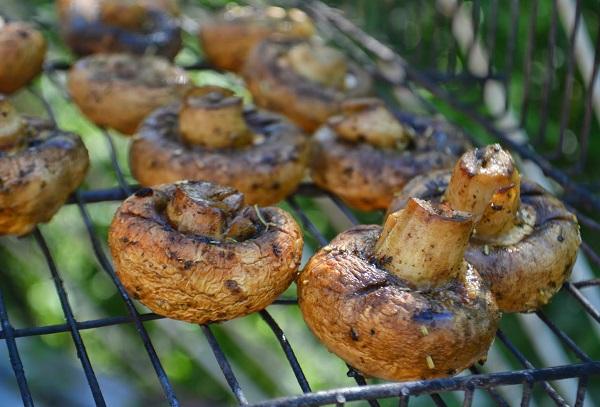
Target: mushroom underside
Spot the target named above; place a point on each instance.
(266, 171)
(194, 278)
(384, 328)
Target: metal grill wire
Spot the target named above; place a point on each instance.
(528, 377)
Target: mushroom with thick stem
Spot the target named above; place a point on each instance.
(525, 241)
(365, 154)
(120, 90)
(228, 39)
(40, 166)
(132, 26)
(211, 136)
(193, 251)
(22, 53)
(306, 81)
(400, 302)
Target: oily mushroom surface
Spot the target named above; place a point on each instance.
(364, 155)
(400, 302)
(135, 27)
(228, 38)
(525, 262)
(22, 53)
(305, 81)
(120, 90)
(215, 138)
(193, 251)
(40, 166)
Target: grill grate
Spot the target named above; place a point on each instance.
(363, 46)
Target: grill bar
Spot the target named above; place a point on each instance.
(287, 349)
(135, 316)
(66, 307)
(13, 354)
(225, 366)
(436, 385)
(527, 364)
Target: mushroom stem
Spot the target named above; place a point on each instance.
(318, 63)
(213, 117)
(486, 183)
(209, 210)
(424, 244)
(12, 126)
(368, 120)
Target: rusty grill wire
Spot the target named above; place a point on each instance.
(364, 47)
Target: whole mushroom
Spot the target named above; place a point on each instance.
(211, 136)
(40, 166)
(304, 80)
(193, 251)
(365, 154)
(525, 241)
(22, 53)
(400, 302)
(133, 26)
(228, 38)
(120, 90)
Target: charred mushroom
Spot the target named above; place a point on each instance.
(136, 27)
(365, 154)
(39, 168)
(120, 90)
(209, 136)
(400, 302)
(228, 38)
(525, 241)
(192, 251)
(304, 80)
(22, 53)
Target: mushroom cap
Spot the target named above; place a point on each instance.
(86, 31)
(37, 177)
(529, 264)
(22, 52)
(383, 327)
(194, 278)
(266, 171)
(366, 177)
(278, 87)
(229, 37)
(120, 90)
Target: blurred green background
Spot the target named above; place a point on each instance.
(423, 34)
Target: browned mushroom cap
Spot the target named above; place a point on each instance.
(526, 241)
(305, 81)
(365, 154)
(39, 168)
(193, 251)
(132, 26)
(400, 303)
(120, 90)
(211, 137)
(229, 37)
(22, 53)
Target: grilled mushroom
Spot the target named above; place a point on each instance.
(22, 53)
(525, 241)
(211, 137)
(365, 154)
(120, 90)
(193, 251)
(306, 81)
(400, 302)
(136, 27)
(228, 38)
(39, 168)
